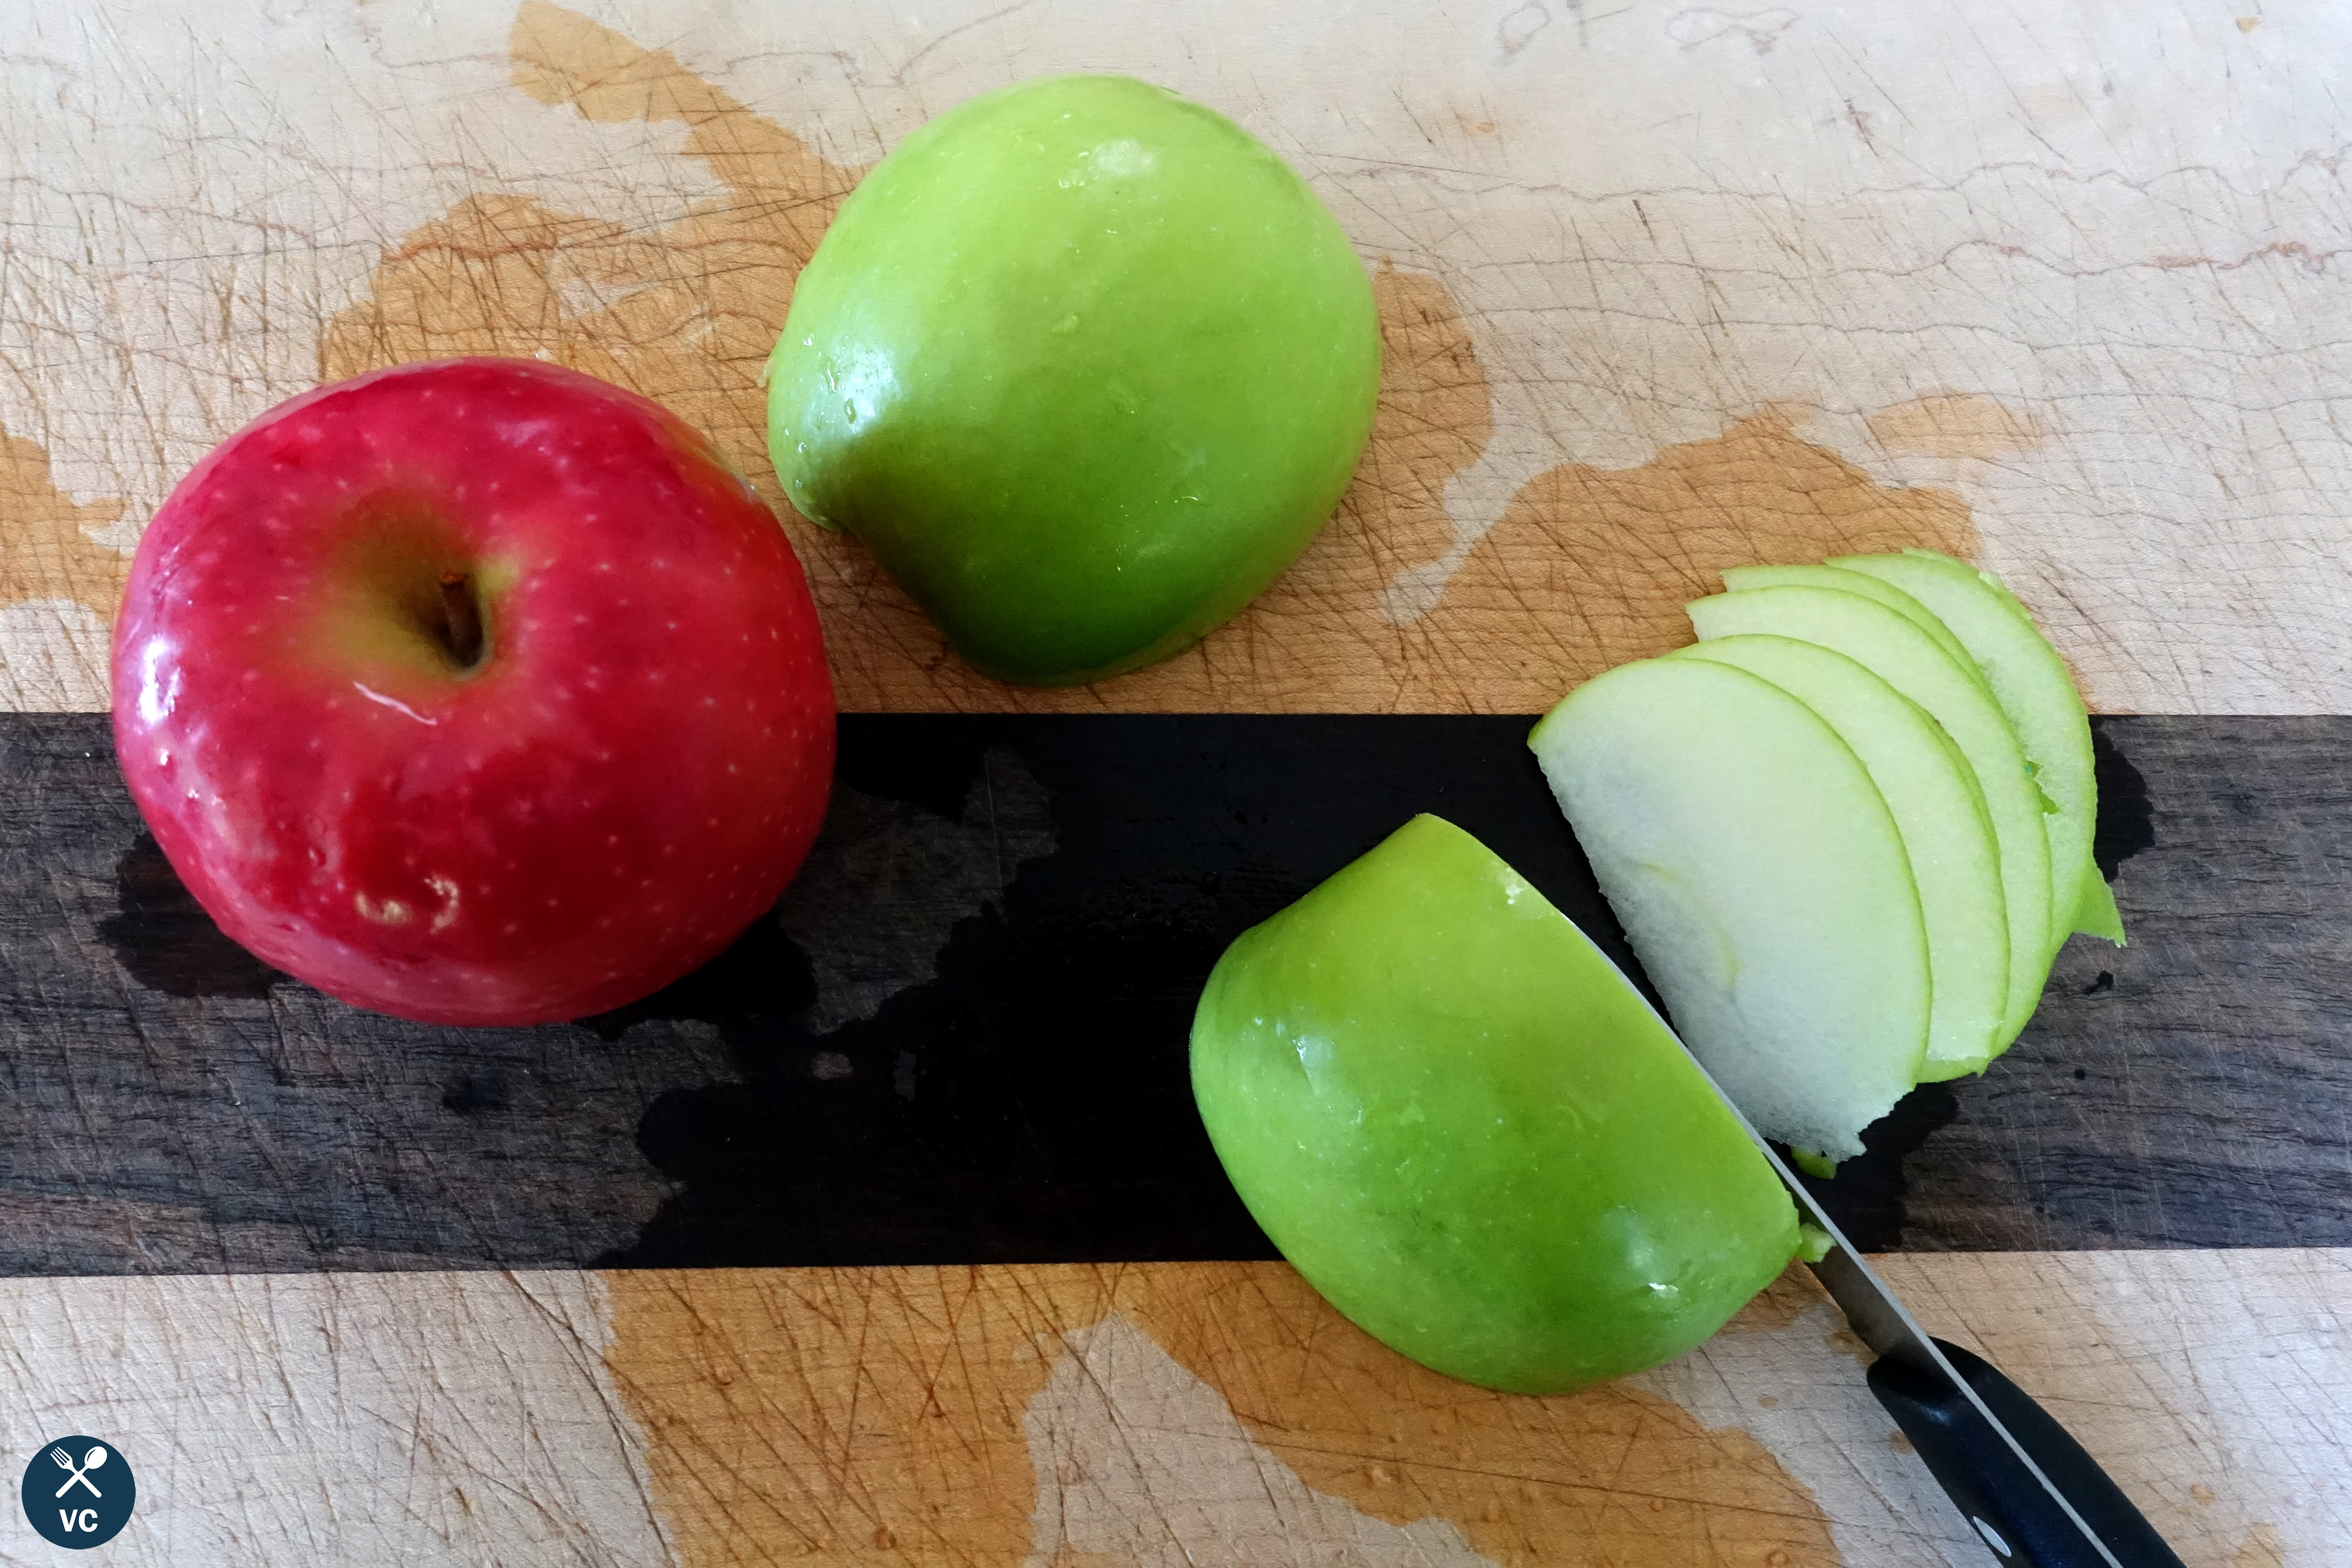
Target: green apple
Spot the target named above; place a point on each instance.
(1955, 697)
(1832, 577)
(1085, 366)
(2036, 689)
(1762, 880)
(1939, 811)
(1467, 1129)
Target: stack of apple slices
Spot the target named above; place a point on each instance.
(1846, 831)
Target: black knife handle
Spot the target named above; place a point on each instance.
(2020, 1521)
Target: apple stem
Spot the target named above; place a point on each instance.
(462, 619)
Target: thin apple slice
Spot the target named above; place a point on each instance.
(2095, 913)
(1763, 881)
(1835, 576)
(1940, 812)
(1910, 660)
(2035, 689)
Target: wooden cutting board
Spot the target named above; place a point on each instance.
(890, 1237)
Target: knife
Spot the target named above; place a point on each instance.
(2031, 1492)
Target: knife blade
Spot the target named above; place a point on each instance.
(2030, 1492)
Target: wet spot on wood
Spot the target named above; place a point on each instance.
(1524, 1479)
(1589, 567)
(2261, 1549)
(474, 1094)
(2126, 823)
(1091, 1414)
(1866, 1198)
(1953, 424)
(47, 546)
(163, 938)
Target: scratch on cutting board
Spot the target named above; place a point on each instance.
(1139, 1461)
(1091, 1414)
(2261, 1549)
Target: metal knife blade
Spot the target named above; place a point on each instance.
(1877, 1317)
(1881, 1321)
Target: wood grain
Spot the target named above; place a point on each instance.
(1388, 611)
(1156, 1416)
(962, 1038)
(1565, 445)
(2219, 1029)
(1031, 1417)
(1660, 287)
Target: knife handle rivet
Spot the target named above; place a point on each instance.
(1993, 1537)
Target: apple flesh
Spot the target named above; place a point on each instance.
(1467, 1129)
(477, 691)
(1085, 366)
(1763, 882)
(1955, 696)
(1947, 836)
(2035, 689)
(1967, 727)
(1735, 578)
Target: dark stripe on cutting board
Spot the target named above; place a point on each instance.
(961, 1036)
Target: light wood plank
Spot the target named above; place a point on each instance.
(1089, 1415)
(1663, 287)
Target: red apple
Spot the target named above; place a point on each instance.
(478, 693)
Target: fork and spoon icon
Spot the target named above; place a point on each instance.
(80, 1476)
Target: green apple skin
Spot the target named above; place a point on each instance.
(1834, 576)
(2036, 689)
(1466, 1129)
(1085, 366)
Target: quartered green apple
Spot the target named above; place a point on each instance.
(1467, 1129)
(1762, 880)
(1086, 365)
(2035, 689)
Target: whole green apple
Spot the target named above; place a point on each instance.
(1466, 1129)
(1085, 366)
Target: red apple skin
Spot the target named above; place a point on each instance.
(627, 778)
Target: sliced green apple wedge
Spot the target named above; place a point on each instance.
(1913, 663)
(1940, 812)
(1469, 1131)
(1835, 576)
(2035, 689)
(1763, 881)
